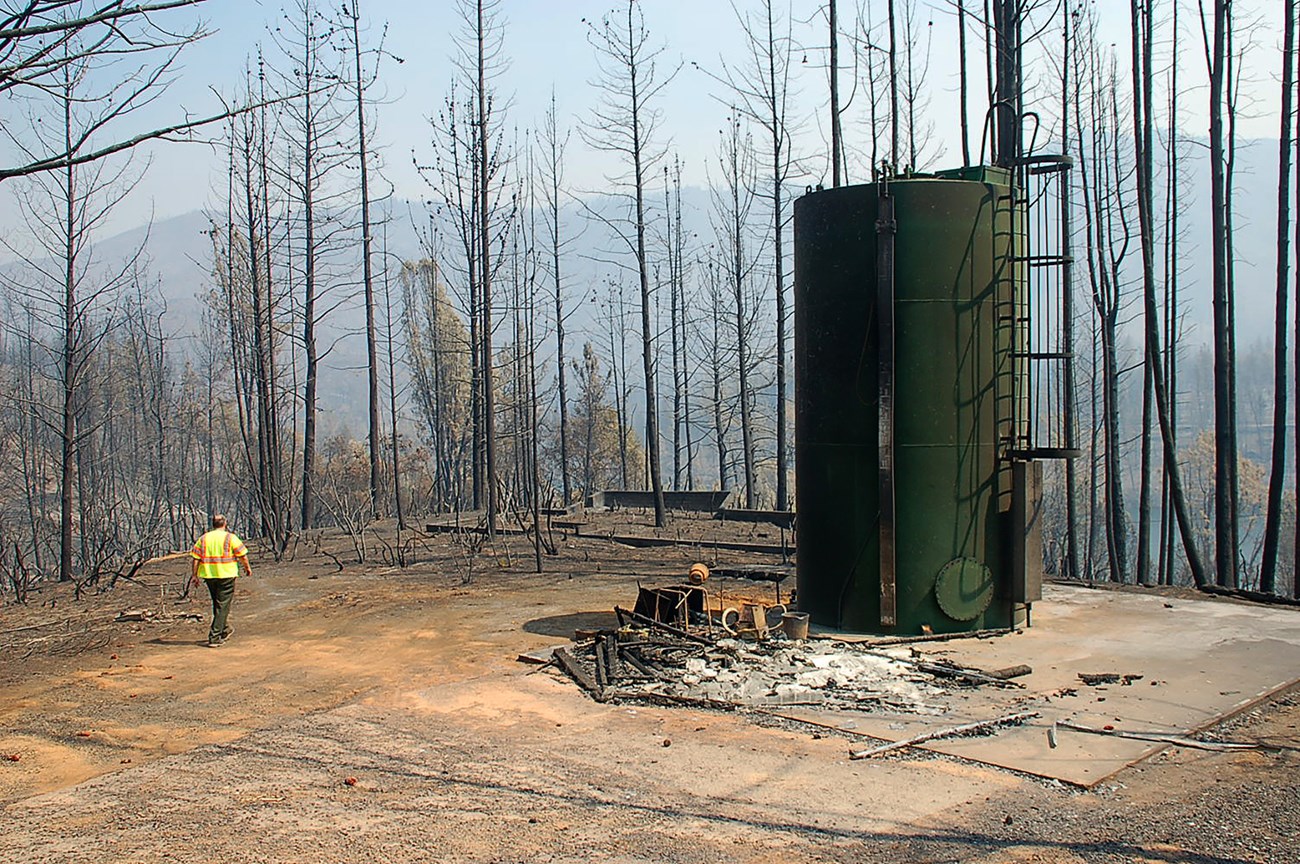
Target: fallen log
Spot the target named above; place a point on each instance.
(949, 732)
(1252, 596)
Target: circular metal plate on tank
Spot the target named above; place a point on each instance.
(964, 589)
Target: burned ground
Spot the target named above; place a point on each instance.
(379, 713)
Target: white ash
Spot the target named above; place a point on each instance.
(789, 673)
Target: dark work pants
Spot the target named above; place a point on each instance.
(222, 591)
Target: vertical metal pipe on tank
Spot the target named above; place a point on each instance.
(886, 229)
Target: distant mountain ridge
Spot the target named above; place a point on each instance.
(178, 252)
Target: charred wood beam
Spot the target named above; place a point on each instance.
(658, 625)
(577, 672)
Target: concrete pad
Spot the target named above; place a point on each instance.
(1201, 660)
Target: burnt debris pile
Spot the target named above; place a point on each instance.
(650, 661)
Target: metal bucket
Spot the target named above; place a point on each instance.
(795, 625)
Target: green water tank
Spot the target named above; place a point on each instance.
(903, 383)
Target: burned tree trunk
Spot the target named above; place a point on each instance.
(1277, 474)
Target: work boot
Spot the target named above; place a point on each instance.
(216, 643)
(227, 633)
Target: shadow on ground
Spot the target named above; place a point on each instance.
(564, 625)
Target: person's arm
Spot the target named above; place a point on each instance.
(248, 568)
(194, 571)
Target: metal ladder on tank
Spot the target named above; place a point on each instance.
(1034, 390)
(1035, 379)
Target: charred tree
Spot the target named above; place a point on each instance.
(762, 90)
(553, 144)
(1225, 415)
(1143, 125)
(624, 123)
(733, 203)
(313, 124)
(359, 83)
(1277, 474)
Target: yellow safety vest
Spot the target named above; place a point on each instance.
(218, 553)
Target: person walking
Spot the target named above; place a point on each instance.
(216, 559)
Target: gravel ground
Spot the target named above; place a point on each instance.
(376, 716)
(364, 784)
(1180, 806)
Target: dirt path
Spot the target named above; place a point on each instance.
(379, 715)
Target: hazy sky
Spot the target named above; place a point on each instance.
(546, 42)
